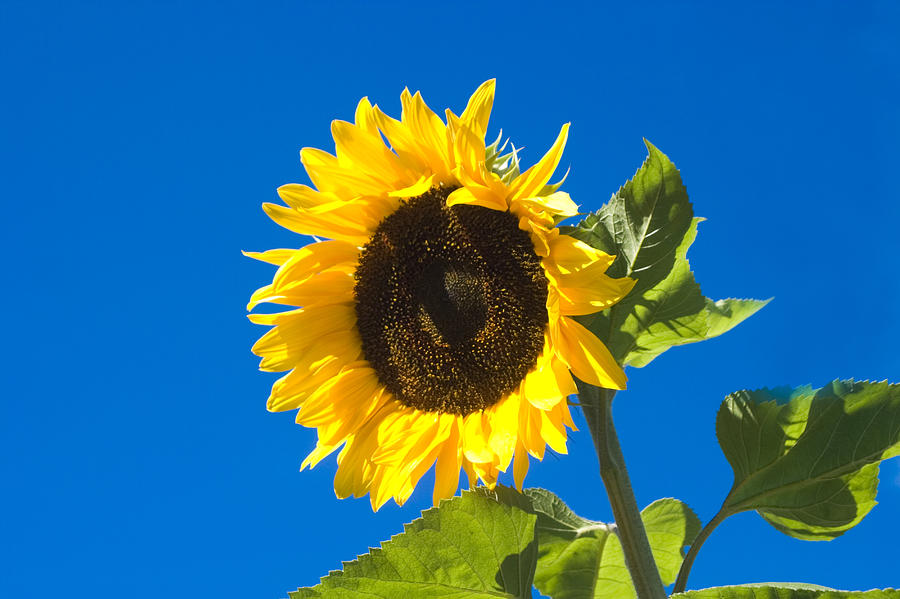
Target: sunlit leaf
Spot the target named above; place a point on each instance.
(643, 222)
(725, 314)
(479, 545)
(649, 226)
(784, 591)
(583, 559)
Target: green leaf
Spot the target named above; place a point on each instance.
(570, 548)
(784, 591)
(643, 222)
(649, 226)
(671, 526)
(479, 545)
(671, 313)
(725, 314)
(582, 559)
(807, 460)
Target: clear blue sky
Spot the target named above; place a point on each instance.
(139, 140)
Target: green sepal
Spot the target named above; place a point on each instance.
(807, 460)
(583, 559)
(480, 545)
(505, 166)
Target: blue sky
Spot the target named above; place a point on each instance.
(139, 140)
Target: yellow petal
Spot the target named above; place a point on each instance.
(335, 226)
(403, 141)
(290, 391)
(476, 433)
(379, 476)
(470, 472)
(428, 129)
(562, 410)
(364, 152)
(478, 110)
(344, 180)
(396, 439)
(355, 472)
(468, 150)
(400, 478)
(274, 318)
(317, 455)
(553, 431)
(308, 201)
(488, 473)
(549, 383)
(267, 294)
(420, 459)
(306, 323)
(315, 258)
(358, 214)
(314, 367)
(276, 257)
(520, 465)
(354, 389)
(557, 204)
(586, 355)
(477, 196)
(365, 116)
(331, 287)
(337, 431)
(540, 235)
(302, 197)
(530, 431)
(564, 379)
(590, 290)
(384, 485)
(325, 288)
(504, 426)
(416, 189)
(568, 254)
(529, 183)
(446, 472)
(296, 331)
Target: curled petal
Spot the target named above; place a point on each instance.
(586, 355)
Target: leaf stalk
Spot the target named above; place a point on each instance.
(685, 570)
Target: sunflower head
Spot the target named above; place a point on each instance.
(433, 325)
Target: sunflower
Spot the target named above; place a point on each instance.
(432, 325)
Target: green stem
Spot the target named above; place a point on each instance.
(597, 405)
(685, 571)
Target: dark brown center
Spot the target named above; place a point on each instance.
(451, 304)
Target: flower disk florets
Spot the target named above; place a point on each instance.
(450, 304)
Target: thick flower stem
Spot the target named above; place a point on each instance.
(597, 405)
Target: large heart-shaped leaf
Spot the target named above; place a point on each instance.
(480, 545)
(807, 460)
